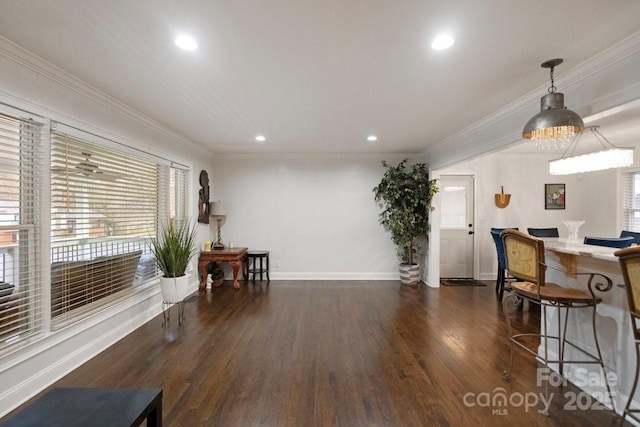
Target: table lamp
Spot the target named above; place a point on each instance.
(218, 211)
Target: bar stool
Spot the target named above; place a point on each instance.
(630, 265)
(525, 260)
(253, 257)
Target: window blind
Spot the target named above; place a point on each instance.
(21, 143)
(631, 200)
(104, 210)
(178, 189)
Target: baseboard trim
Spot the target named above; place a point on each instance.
(77, 344)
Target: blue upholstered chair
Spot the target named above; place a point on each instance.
(502, 264)
(636, 236)
(610, 242)
(543, 232)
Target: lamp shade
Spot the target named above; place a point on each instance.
(554, 121)
(218, 209)
(554, 126)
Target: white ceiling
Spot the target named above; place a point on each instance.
(316, 76)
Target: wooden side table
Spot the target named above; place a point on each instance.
(236, 257)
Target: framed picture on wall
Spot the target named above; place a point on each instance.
(554, 196)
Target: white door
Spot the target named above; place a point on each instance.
(456, 226)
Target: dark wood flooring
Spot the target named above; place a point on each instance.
(332, 353)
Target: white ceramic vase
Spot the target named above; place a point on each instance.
(409, 274)
(174, 289)
(573, 227)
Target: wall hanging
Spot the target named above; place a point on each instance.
(502, 200)
(203, 198)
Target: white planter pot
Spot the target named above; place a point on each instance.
(409, 274)
(174, 289)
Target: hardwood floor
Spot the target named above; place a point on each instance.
(325, 353)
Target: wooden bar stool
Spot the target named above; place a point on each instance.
(630, 266)
(525, 260)
(252, 259)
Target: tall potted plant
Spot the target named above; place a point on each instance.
(405, 195)
(173, 249)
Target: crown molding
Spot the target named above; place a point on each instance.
(314, 156)
(594, 65)
(44, 68)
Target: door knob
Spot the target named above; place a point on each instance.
(471, 232)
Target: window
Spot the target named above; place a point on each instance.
(106, 199)
(20, 184)
(106, 203)
(631, 197)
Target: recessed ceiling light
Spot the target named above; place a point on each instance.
(186, 42)
(261, 138)
(441, 42)
(372, 138)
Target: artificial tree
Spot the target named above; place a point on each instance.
(405, 195)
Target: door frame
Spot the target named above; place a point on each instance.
(432, 278)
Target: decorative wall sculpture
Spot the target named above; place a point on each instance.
(203, 200)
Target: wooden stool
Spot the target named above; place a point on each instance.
(524, 256)
(629, 261)
(254, 256)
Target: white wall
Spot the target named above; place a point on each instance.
(592, 197)
(315, 214)
(36, 87)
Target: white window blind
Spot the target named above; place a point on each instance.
(20, 192)
(104, 209)
(631, 198)
(177, 206)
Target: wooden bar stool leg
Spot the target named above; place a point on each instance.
(253, 269)
(627, 408)
(261, 269)
(268, 279)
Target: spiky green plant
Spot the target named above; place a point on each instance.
(174, 248)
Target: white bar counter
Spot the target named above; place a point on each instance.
(565, 259)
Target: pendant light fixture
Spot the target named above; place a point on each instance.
(608, 158)
(554, 126)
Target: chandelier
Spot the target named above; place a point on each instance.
(608, 158)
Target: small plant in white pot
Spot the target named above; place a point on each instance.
(174, 248)
(405, 196)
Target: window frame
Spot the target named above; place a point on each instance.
(40, 267)
(33, 303)
(162, 209)
(627, 196)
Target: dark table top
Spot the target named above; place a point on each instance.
(96, 407)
